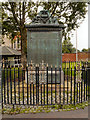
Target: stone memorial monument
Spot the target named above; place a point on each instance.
(44, 41)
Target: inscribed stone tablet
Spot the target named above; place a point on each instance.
(44, 46)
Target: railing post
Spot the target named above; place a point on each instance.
(18, 85)
(84, 81)
(71, 84)
(38, 82)
(74, 82)
(67, 85)
(37, 85)
(27, 82)
(4, 87)
(64, 88)
(55, 84)
(51, 83)
(7, 86)
(79, 92)
(86, 84)
(47, 84)
(2, 68)
(14, 87)
(82, 77)
(23, 84)
(60, 84)
(10, 85)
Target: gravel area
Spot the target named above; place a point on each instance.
(80, 113)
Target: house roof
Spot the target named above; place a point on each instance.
(9, 51)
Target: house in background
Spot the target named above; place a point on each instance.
(15, 43)
(11, 55)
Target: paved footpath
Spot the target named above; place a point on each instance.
(80, 113)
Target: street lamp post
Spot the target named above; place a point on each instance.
(76, 47)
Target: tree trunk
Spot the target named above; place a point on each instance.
(23, 46)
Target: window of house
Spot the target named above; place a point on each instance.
(15, 44)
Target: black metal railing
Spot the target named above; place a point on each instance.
(48, 86)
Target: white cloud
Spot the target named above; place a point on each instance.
(82, 35)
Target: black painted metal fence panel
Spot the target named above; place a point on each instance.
(44, 87)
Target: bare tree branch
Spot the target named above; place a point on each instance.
(23, 13)
(20, 11)
(13, 12)
(54, 8)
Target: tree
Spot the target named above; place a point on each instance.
(84, 50)
(67, 47)
(17, 14)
